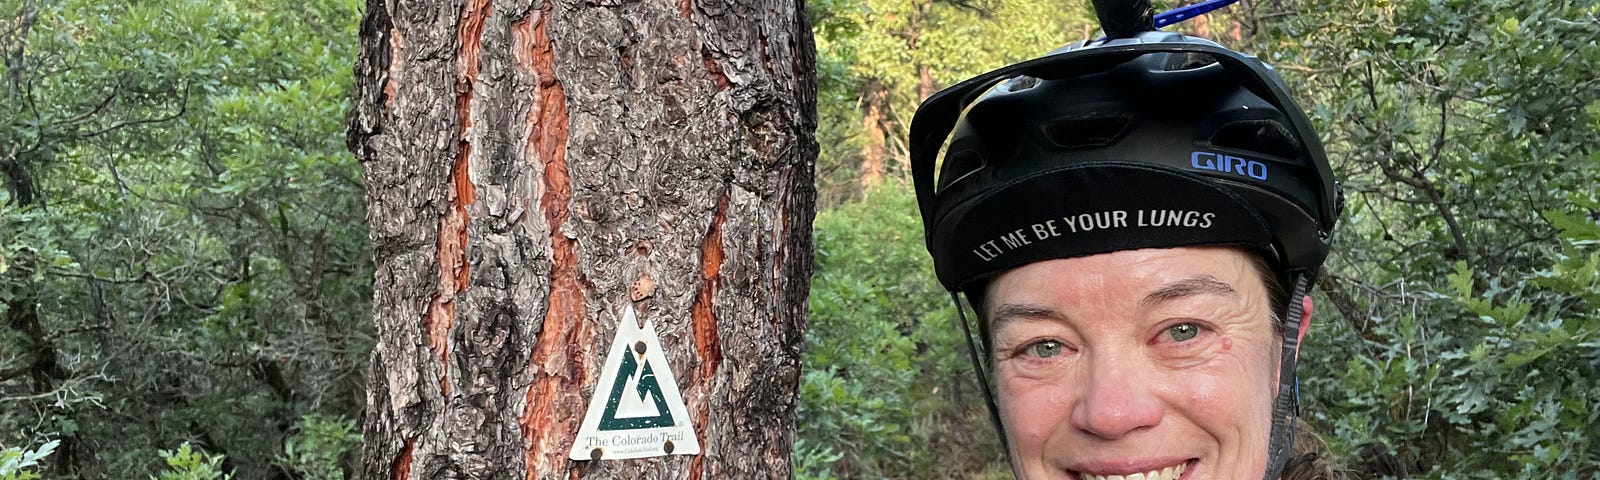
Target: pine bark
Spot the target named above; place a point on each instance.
(532, 167)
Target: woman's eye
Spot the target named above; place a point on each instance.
(1183, 331)
(1045, 349)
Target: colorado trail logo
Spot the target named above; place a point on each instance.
(636, 410)
(636, 400)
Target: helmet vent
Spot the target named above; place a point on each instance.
(959, 165)
(1090, 130)
(1019, 84)
(1188, 61)
(1260, 136)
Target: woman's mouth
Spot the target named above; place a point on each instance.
(1173, 472)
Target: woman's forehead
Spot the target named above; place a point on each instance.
(1133, 277)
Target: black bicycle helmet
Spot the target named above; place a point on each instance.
(1153, 140)
(1159, 124)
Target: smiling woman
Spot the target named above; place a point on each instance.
(1135, 361)
(1142, 311)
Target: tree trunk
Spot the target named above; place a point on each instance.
(1202, 24)
(874, 105)
(925, 85)
(1247, 21)
(534, 167)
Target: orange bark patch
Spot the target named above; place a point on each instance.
(452, 273)
(454, 270)
(563, 338)
(707, 343)
(470, 37)
(696, 465)
(716, 70)
(686, 8)
(401, 468)
(393, 75)
(562, 342)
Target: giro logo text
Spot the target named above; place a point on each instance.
(1228, 164)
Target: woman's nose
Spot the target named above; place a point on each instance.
(1119, 400)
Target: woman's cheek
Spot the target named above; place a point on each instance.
(1024, 383)
(1032, 409)
(1233, 373)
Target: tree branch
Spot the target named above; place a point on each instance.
(1419, 180)
(183, 107)
(1348, 308)
(98, 107)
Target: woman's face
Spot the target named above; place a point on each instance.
(1157, 360)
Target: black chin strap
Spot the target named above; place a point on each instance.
(983, 379)
(1286, 408)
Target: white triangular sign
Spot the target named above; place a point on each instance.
(636, 410)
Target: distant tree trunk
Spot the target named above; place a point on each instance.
(918, 23)
(37, 358)
(874, 105)
(533, 167)
(1202, 24)
(925, 85)
(1247, 21)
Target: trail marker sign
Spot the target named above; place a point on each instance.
(636, 410)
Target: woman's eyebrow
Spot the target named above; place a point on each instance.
(1188, 287)
(1007, 312)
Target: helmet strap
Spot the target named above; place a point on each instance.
(1286, 408)
(983, 376)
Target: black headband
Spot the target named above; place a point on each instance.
(1089, 209)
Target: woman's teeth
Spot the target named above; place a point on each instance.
(1169, 473)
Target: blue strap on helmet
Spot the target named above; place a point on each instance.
(1186, 12)
(1115, 16)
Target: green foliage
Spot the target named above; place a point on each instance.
(888, 389)
(29, 249)
(182, 245)
(186, 463)
(319, 447)
(1462, 338)
(814, 463)
(909, 49)
(16, 463)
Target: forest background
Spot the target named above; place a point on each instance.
(185, 280)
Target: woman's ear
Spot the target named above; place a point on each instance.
(1305, 324)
